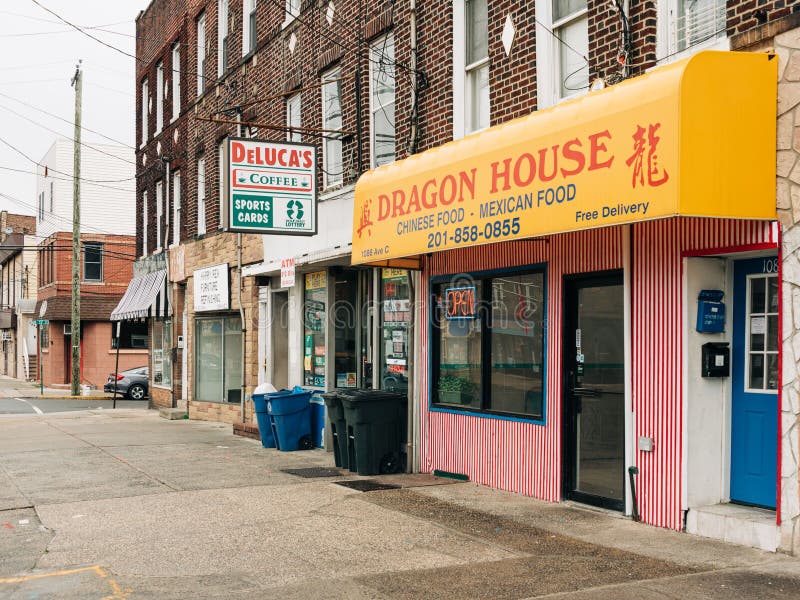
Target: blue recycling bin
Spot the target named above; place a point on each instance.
(290, 417)
(264, 424)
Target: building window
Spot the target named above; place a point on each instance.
(762, 333)
(52, 186)
(248, 27)
(162, 352)
(292, 9)
(44, 333)
(144, 223)
(293, 118)
(222, 168)
(159, 97)
(41, 206)
(132, 335)
(201, 54)
(382, 93)
(395, 319)
(145, 110)
(314, 303)
(176, 81)
(201, 196)
(695, 22)
(222, 37)
(333, 173)
(218, 359)
(92, 261)
(159, 213)
(571, 25)
(176, 208)
(488, 344)
(562, 45)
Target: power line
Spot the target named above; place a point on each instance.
(83, 127)
(92, 183)
(45, 127)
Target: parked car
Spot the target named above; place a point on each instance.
(131, 383)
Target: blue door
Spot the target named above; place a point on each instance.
(754, 416)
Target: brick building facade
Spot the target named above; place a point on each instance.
(450, 69)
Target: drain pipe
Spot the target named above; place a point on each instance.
(631, 472)
(411, 374)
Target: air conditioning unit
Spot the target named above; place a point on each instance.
(138, 341)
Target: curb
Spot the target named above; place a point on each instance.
(97, 398)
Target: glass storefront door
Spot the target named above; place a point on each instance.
(218, 359)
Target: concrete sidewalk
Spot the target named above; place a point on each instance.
(123, 504)
(17, 388)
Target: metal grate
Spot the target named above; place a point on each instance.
(310, 472)
(367, 485)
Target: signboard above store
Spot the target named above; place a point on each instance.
(211, 290)
(668, 143)
(271, 187)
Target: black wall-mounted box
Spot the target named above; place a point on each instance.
(716, 357)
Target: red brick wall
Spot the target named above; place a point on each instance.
(98, 357)
(118, 256)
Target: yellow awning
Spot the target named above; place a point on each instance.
(694, 138)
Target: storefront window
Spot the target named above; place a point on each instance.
(345, 327)
(395, 317)
(488, 344)
(218, 359)
(162, 353)
(314, 304)
(132, 335)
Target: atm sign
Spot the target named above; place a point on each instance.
(460, 302)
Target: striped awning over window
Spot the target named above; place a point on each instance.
(146, 296)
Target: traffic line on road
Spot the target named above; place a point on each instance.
(117, 591)
(36, 408)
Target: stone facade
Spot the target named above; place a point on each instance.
(787, 48)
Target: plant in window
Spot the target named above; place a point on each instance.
(456, 390)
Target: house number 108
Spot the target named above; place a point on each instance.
(770, 265)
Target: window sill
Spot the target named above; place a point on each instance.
(163, 387)
(144, 351)
(487, 414)
(335, 192)
(290, 19)
(721, 43)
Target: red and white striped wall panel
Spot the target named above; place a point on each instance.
(525, 457)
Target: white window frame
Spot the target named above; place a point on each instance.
(292, 11)
(159, 212)
(222, 37)
(159, 98)
(461, 97)
(667, 38)
(294, 117)
(176, 80)
(145, 110)
(376, 50)
(330, 177)
(766, 314)
(201, 54)
(83, 265)
(201, 196)
(548, 59)
(144, 223)
(176, 208)
(248, 26)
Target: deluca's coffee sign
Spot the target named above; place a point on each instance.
(271, 187)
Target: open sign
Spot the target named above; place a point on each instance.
(460, 302)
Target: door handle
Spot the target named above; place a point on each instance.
(582, 391)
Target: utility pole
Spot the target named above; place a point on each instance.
(75, 327)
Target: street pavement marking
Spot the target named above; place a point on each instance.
(117, 592)
(36, 408)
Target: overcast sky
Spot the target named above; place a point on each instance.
(39, 54)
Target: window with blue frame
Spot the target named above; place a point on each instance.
(487, 343)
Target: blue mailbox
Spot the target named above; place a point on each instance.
(710, 311)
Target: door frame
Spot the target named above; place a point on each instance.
(568, 428)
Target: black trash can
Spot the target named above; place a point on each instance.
(338, 427)
(375, 431)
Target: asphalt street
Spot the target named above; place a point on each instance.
(22, 406)
(124, 505)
